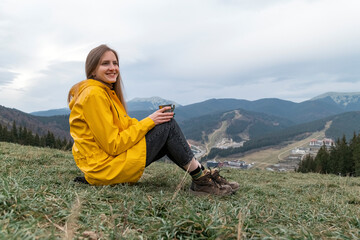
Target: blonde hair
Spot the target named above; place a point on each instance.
(92, 62)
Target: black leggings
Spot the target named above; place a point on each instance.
(167, 139)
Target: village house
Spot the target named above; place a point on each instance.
(328, 142)
(230, 164)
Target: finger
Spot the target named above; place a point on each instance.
(161, 110)
(164, 109)
(167, 113)
(164, 119)
(167, 116)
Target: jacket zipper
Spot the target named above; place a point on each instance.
(113, 105)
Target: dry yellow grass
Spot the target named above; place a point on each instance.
(39, 200)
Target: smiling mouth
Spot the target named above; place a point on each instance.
(111, 74)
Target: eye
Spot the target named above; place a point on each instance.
(116, 63)
(105, 63)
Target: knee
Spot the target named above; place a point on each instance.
(171, 125)
(173, 122)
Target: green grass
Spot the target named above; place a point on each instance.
(39, 200)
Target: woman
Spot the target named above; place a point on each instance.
(110, 147)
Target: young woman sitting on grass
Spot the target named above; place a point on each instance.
(110, 147)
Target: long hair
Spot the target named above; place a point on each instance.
(93, 60)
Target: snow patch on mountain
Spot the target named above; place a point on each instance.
(343, 99)
(151, 103)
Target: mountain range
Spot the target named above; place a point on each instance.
(347, 101)
(238, 120)
(136, 104)
(302, 112)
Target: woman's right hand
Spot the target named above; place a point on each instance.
(160, 116)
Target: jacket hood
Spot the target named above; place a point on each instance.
(78, 88)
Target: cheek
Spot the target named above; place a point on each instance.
(100, 70)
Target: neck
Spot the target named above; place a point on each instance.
(109, 85)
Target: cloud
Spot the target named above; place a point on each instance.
(6, 77)
(181, 50)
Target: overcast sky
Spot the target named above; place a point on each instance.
(182, 50)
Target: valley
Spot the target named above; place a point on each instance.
(272, 156)
(219, 137)
(277, 156)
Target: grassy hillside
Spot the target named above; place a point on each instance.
(39, 200)
(58, 125)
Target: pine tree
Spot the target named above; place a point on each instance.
(322, 160)
(332, 165)
(43, 141)
(356, 156)
(345, 157)
(50, 140)
(58, 143)
(352, 146)
(337, 158)
(37, 140)
(5, 134)
(29, 138)
(306, 165)
(20, 136)
(14, 133)
(1, 133)
(23, 136)
(69, 145)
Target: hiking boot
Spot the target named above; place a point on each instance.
(215, 174)
(205, 185)
(81, 180)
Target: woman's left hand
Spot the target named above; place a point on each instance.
(160, 116)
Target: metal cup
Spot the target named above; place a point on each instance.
(168, 105)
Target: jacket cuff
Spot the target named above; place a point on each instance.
(148, 123)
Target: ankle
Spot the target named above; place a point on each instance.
(197, 173)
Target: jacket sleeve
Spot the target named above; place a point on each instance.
(133, 121)
(110, 137)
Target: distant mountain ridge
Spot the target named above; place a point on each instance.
(152, 103)
(349, 101)
(52, 112)
(136, 104)
(324, 105)
(296, 112)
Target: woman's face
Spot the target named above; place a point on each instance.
(108, 68)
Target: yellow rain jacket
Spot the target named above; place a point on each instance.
(109, 146)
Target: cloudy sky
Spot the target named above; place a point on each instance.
(183, 50)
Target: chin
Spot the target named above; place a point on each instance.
(111, 81)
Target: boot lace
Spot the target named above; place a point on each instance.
(215, 175)
(212, 179)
